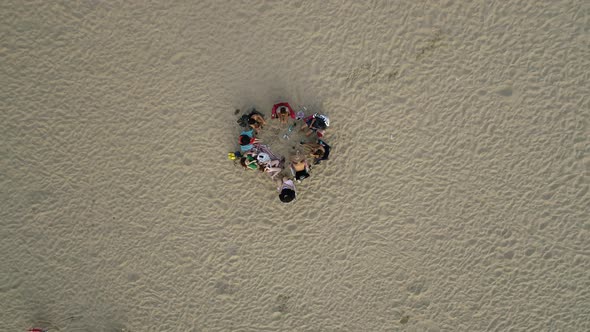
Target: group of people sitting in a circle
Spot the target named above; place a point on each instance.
(253, 155)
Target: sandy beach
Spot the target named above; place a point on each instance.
(455, 198)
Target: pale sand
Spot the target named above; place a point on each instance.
(456, 198)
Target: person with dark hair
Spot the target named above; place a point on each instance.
(268, 161)
(247, 140)
(283, 112)
(316, 123)
(286, 189)
(318, 151)
(254, 120)
(249, 161)
(258, 117)
(299, 167)
(283, 115)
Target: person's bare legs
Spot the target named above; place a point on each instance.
(255, 128)
(259, 119)
(274, 163)
(279, 182)
(310, 147)
(305, 128)
(273, 171)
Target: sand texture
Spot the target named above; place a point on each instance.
(456, 197)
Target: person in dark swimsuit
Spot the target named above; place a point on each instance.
(318, 151)
(299, 167)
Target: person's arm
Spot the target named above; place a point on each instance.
(321, 150)
(319, 155)
(271, 169)
(273, 114)
(310, 147)
(260, 119)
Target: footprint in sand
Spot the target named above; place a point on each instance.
(505, 91)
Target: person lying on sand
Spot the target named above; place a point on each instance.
(286, 189)
(255, 123)
(265, 160)
(249, 161)
(254, 120)
(318, 151)
(272, 171)
(261, 162)
(270, 166)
